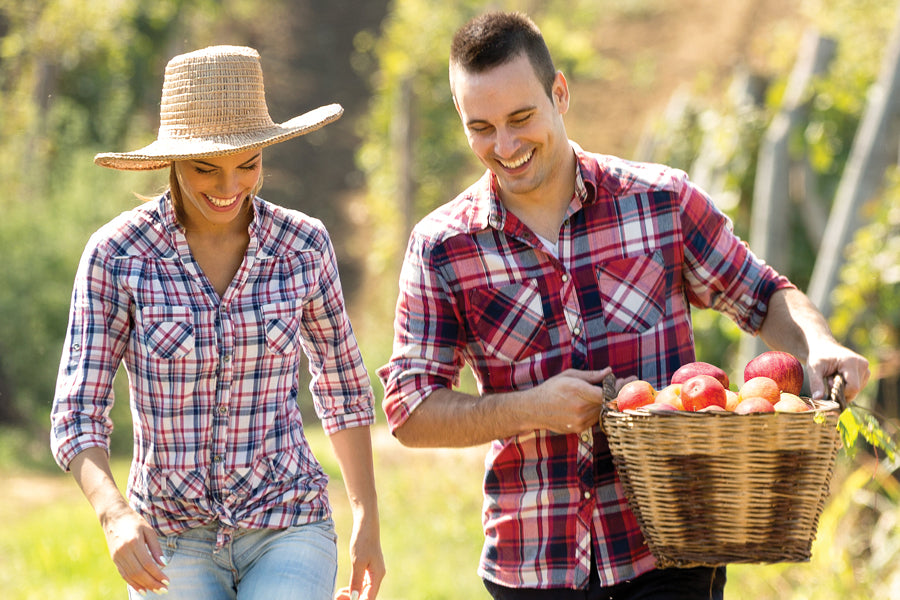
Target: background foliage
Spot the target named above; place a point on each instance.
(77, 78)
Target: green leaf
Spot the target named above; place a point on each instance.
(854, 422)
(848, 426)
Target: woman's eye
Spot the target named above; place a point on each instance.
(203, 171)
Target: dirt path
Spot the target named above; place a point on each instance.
(652, 55)
(21, 494)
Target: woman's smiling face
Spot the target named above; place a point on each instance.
(214, 190)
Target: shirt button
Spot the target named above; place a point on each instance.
(565, 277)
(577, 331)
(217, 458)
(223, 410)
(587, 495)
(585, 437)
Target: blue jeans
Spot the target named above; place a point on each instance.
(258, 564)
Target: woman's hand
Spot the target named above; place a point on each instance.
(132, 543)
(353, 450)
(366, 563)
(134, 549)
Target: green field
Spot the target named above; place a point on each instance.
(52, 547)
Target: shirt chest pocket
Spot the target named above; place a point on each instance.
(167, 331)
(632, 292)
(281, 326)
(509, 320)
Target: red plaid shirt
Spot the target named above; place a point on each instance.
(218, 436)
(639, 245)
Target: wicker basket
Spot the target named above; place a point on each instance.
(717, 488)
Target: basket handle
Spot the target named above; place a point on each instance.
(837, 390)
(609, 387)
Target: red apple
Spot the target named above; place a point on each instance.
(754, 404)
(784, 368)
(671, 395)
(701, 391)
(761, 387)
(635, 394)
(693, 369)
(790, 403)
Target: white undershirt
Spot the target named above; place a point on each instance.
(549, 246)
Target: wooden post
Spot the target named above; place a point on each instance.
(874, 149)
(771, 191)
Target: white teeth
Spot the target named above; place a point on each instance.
(222, 202)
(517, 163)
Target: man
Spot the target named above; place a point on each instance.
(558, 267)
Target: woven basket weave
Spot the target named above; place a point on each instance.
(717, 488)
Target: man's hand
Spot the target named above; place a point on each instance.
(569, 402)
(826, 360)
(793, 324)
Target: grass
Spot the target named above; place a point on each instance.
(430, 502)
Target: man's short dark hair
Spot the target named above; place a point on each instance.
(495, 38)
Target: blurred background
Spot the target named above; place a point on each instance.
(786, 111)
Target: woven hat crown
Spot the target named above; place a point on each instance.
(214, 103)
(213, 92)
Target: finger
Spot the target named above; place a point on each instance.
(150, 560)
(155, 550)
(371, 586)
(623, 381)
(342, 594)
(153, 559)
(589, 376)
(370, 591)
(817, 386)
(856, 379)
(357, 577)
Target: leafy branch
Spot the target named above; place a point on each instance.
(856, 422)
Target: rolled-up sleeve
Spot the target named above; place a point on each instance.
(340, 385)
(428, 338)
(96, 337)
(721, 272)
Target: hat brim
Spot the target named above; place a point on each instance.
(161, 153)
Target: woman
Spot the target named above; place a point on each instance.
(209, 295)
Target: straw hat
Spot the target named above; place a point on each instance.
(213, 103)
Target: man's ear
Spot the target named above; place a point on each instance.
(561, 93)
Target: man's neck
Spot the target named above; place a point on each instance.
(544, 209)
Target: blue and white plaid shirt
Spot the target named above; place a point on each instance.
(218, 436)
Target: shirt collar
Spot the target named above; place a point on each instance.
(490, 212)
